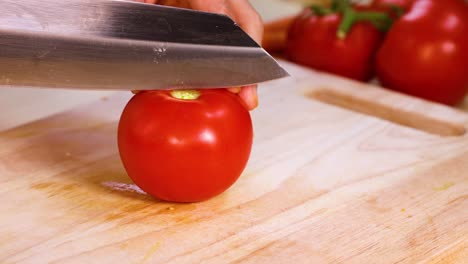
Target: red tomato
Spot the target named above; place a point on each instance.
(312, 41)
(426, 52)
(395, 8)
(185, 150)
(385, 5)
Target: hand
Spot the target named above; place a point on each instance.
(245, 16)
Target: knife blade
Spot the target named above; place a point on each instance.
(123, 45)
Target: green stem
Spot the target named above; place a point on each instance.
(380, 20)
(340, 5)
(337, 6)
(321, 11)
(347, 22)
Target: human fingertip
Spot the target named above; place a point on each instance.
(234, 89)
(250, 97)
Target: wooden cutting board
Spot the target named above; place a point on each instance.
(384, 182)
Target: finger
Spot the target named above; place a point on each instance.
(248, 94)
(247, 18)
(213, 6)
(234, 89)
(176, 3)
(241, 11)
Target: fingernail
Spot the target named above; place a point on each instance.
(234, 89)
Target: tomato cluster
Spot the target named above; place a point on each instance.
(419, 47)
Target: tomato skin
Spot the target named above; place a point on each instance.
(185, 150)
(385, 5)
(312, 41)
(425, 53)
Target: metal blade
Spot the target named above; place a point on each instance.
(109, 44)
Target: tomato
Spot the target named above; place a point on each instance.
(312, 41)
(395, 8)
(425, 53)
(384, 5)
(185, 146)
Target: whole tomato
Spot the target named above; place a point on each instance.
(185, 146)
(425, 53)
(314, 40)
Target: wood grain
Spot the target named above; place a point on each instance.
(324, 185)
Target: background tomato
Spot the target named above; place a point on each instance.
(312, 41)
(185, 150)
(426, 52)
(395, 8)
(386, 5)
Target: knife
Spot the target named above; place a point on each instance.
(123, 45)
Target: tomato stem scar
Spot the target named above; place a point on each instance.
(185, 94)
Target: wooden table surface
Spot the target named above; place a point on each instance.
(339, 172)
